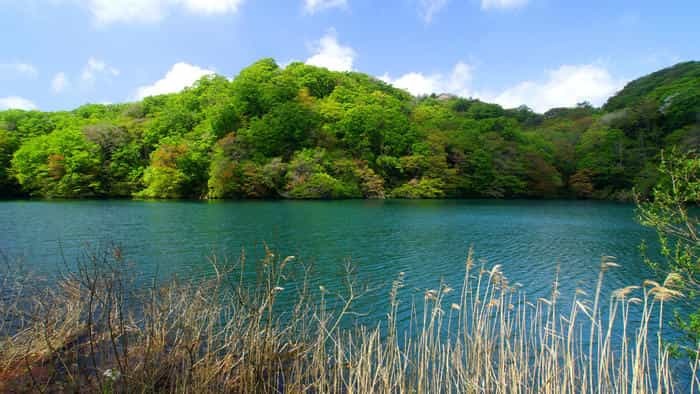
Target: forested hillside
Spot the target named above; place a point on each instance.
(306, 132)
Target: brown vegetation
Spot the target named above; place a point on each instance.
(95, 330)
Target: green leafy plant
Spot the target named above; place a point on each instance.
(673, 213)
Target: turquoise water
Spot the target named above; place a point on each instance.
(428, 240)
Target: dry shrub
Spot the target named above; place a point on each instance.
(97, 329)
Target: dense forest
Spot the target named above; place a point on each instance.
(307, 132)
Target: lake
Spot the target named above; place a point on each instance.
(428, 240)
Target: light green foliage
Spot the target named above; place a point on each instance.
(372, 130)
(307, 132)
(178, 169)
(255, 90)
(673, 214)
(219, 112)
(280, 132)
(322, 186)
(319, 81)
(60, 164)
(420, 188)
(371, 184)
(308, 177)
(27, 124)
(177, 115)
(122, 162)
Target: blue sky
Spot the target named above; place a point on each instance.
(59, 54)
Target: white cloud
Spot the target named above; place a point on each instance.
(312, 6)
(180, 76)
(456, 82)
(95, 67)
(18, 68)
(502, 4)
(110, 11)
(564, 87)
(59, 83)
(329, 53)
(431, 7)
(149, 11)
(210, 7)
(15, 102)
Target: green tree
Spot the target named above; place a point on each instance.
(60, 164)
(373, 130)
(232, 176)
(288, 127)
(672, 212)
(321, 185)
(603, 153)
(221, 138)
(308, 178)
(178, 169)
(8, 146)
(27, 124)
(420, 188)
(259, 87)
(214, 94)
(319, 81)
(122, 159)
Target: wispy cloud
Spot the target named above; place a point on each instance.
(502, 4)
(106, 12)
(96, 67)
(59, 82)
(429, 8)
(313, 6)
(19, 69)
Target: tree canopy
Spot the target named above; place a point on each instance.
(306, 132)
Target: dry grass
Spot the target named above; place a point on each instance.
(96, 330)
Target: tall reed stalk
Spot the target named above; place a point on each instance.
(99, 330)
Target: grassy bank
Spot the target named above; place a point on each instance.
(97, 329)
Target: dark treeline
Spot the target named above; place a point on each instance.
(306, 132)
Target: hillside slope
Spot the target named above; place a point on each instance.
(683, 79)
(306, 132)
